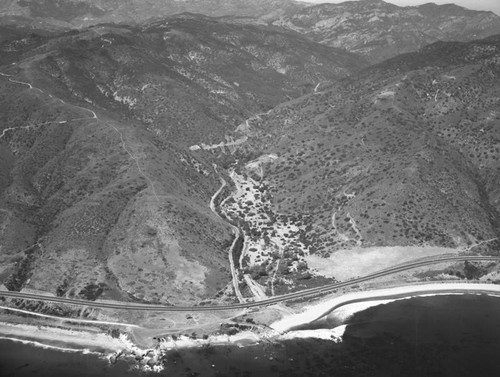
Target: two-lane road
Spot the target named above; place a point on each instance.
(273, 300)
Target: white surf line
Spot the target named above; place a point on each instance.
(63, 319)
(317, 311)
(48, 346)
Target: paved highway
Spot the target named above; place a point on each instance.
(273, 300)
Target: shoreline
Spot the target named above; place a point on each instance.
(365, 299)
(65, 340)
(287, 328)
(37, 344)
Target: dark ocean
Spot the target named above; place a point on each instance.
(427, 336)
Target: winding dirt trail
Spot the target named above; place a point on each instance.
(93, 115)
(237, 234)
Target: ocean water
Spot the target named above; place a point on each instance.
(429, 336)
(19, 359)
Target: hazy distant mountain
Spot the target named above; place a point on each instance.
(99, 191)
(89, 12)
(372, 28)
(379, 30)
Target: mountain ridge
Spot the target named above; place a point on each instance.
(380, 30)
(84, 13)
(136, 157)
(100, 177)
(404, 154)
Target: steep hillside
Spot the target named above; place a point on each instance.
(189, 77)
(99, 194)
(80, 13)
(15, 41)
(94, 205)
(379, 30)
(404, 155)
(372, 28)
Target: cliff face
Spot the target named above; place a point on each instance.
(379, 30)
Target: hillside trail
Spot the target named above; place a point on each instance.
(255, 288)
(93, 116)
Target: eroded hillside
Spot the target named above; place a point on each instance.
(100, 196)
(405, 154)
(189, 77)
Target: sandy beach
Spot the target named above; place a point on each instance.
(64, 339)
(342, 307)
(354, 302)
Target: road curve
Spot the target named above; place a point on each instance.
(273, 300)
(237, 234)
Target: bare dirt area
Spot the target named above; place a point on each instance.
(148, 261)
(347, 264)
(58, 269)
